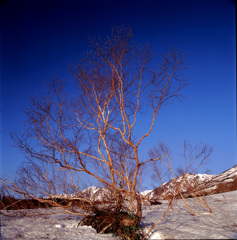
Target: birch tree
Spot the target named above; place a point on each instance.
(89, 126)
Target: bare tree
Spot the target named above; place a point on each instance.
(89, 126)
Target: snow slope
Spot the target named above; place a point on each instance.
(178, 224)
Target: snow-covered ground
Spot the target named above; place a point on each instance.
(178, 224)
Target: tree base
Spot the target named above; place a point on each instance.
(119, 223)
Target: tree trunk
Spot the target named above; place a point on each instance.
(139, 207)
(119, 201)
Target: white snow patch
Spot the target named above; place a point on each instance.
(58, 225)
(156, 235)
(144, 193)
(153, 235)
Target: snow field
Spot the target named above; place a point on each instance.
(178, 224)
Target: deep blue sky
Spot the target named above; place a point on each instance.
(39, 38)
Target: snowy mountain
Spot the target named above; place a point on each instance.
(97, 194)
(93, 193)
(184, 183)
(66, 196)
(226, 178)
(197, 182)
(189, 183)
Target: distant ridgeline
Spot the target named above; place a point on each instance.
(199, 184)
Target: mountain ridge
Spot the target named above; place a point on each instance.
(198, 183)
